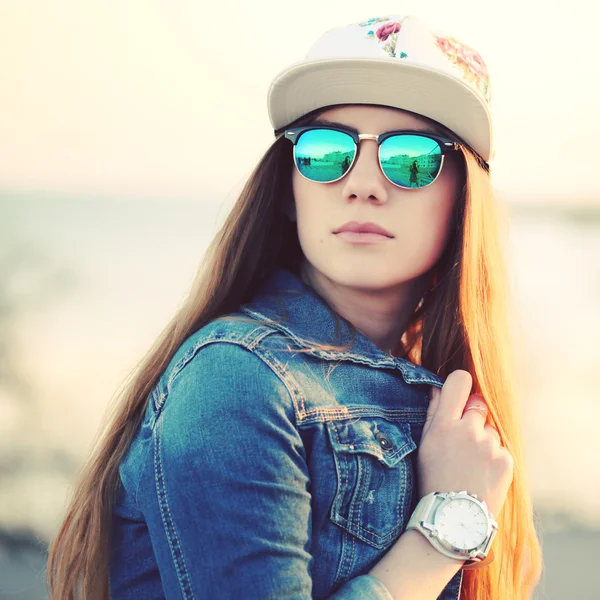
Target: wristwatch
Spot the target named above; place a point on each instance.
(458, 525)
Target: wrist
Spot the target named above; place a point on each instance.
(412, 568)
(437, 559)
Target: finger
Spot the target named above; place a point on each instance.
(475, 409)
(454, 395)
(492, 431)
(434, 400)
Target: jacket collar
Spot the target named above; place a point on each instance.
(295, 309)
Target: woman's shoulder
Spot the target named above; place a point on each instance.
(230, 331)
(225, 351)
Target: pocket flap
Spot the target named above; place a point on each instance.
(388, 441)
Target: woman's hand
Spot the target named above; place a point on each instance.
(458, 450)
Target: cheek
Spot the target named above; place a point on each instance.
(298, 189)
(444, 203)
(428, 223)
(309, 205)
(442, 226)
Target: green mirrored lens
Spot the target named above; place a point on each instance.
(324, 154)
(410, 161)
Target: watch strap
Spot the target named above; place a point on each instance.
(478, 564)
(423, 511)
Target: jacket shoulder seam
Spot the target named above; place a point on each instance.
(251, 342)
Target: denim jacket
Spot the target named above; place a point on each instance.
(260, 471)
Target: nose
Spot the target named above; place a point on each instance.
(365, 181)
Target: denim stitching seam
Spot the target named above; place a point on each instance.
(285, 378)
(169, 525)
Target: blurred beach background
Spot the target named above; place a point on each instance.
(127, 129)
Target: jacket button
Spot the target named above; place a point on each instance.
(384, 440)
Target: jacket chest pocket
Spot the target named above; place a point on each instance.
(375, 478)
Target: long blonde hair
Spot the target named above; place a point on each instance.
(462, 322)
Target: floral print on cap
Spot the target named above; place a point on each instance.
(369, 22)
(469, 62)
(386, 34)
(385, 31)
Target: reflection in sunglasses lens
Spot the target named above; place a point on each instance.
(323, 154)
(410, 161)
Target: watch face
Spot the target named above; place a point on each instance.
(462, 523)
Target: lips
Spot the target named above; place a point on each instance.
(356, 227)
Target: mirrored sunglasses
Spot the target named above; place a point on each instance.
(408, 159)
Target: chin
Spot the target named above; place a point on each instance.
(362, 276)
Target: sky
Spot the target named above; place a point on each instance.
(167, 98)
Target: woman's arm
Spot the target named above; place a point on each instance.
(226, 497)
(413, 568)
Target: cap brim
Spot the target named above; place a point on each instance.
(309, 85)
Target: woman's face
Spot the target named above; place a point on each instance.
(416, 219)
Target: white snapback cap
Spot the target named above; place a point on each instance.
(395, 61)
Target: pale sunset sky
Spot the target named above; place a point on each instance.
(167, 98)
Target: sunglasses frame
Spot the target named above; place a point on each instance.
(446, 145)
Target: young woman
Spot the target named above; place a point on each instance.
(339, 381)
